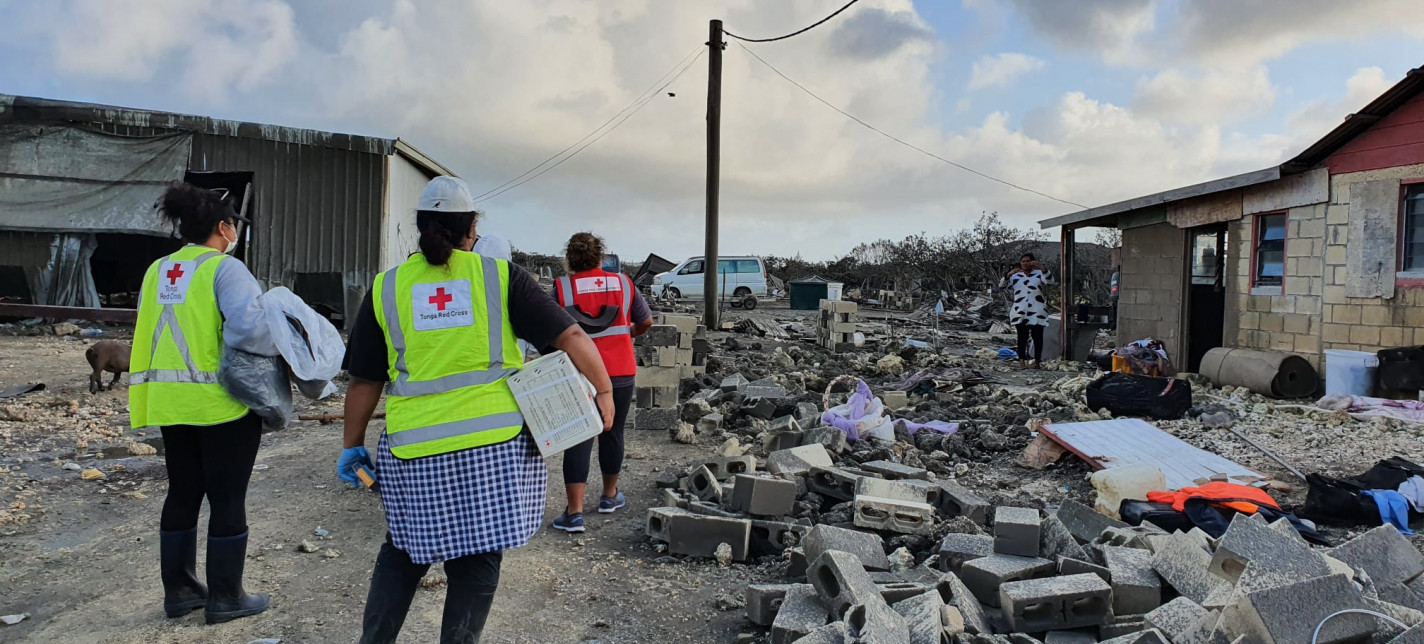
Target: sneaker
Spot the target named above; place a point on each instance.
(607, 505)
(569, 522)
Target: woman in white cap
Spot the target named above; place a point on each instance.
(460, 478)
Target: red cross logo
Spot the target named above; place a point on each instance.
(441, 298)
(598, 282)
(173, 274)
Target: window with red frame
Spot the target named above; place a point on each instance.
(1411, 255)
(1270, 249)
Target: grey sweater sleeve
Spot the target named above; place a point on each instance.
(244, 324)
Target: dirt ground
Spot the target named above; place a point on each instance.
(84, 563)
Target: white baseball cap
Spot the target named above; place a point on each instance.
(446, 194)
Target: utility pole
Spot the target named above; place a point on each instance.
(710, 291)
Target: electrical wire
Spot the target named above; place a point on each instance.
(902, 141)
(794, 33)
(1316, 637)
(642, 99)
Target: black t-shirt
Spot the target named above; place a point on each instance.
(536, 319)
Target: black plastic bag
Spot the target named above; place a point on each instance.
(1332, 501)
(1126, 394)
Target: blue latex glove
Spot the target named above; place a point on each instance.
(346, 465)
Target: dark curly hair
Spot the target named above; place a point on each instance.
(584, 252)
(442, 232)
(195, 212)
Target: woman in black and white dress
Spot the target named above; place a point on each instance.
(1029, 313)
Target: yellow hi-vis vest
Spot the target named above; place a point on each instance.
(449, 348)
(178, 343)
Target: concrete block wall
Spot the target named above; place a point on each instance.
(1364, 324)
(1151, 287)
(1288, 318)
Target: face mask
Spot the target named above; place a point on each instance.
(231, 243)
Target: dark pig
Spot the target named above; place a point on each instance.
(109, 356)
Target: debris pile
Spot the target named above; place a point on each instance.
(836, 330)
(673, 349)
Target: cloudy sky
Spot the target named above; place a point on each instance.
(1090, 101)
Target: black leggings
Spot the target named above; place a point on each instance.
(1036, 330)
(469, 593)
(610, 444)
(213, 461)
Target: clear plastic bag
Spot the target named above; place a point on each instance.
(310, 344)
(260, 383)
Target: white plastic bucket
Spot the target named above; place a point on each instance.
(1350, 373)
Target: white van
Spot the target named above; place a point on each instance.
(739, 277)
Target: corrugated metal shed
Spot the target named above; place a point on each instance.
(319, 202)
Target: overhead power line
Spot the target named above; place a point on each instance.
(599, 132)
(902, 141)
(794, 33)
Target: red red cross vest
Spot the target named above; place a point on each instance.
(590, 291)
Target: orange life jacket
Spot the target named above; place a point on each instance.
(1242, 498)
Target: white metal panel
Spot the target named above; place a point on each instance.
(1106, 444)
(404, 182)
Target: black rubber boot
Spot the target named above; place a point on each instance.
(226, 599)
(177, 563)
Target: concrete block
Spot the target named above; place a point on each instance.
(1150, 636)
(895, 471)
(1056, 541)
(984, 575)
(1130, 626)
(702, 483)
(774, 537)
(710, 424)
(1248, 540)
(1121, 538)
(957, 549)
(683, 323)
(953, 621)
(796, 563)
(837, 632)
(833, 482)
(699, 535)
(1384, 554)
(763, 496)
(1068, 566)
(905, 517)
(769, 390)
(764, 600)
(876, 623)
(924, 616)
(656, 397)
(1200, 632)
(833, 439)
(763, 408)
(671, 498)
(1136, 587)
(724, 468)
(886, 489)
(1036, 605)
(869, 548)
(684, 341)
(952, 589)
(734, 382)
(806, 412)
(783, 440)
(897, 591)
(663, 419)
(1016, 531)
(895, 399)
(785, 423)
(1290, 614)
(842, 582)
(659, 335)
(658, 377)
(801, 612)
(659, 522)
(1084, 522)
(798, 460)
(1069, 637)
(1183, 564)
(955, 500)
(1175, 618)
(711, 509)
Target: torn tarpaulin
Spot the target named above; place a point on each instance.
(864, 414)
(933, 425)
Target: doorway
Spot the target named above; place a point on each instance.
(1206, 292)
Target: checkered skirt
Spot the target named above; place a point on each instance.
(477, 500)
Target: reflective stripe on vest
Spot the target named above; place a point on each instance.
(167, 393)
(614, 343)
(432, 406)
(566, 298)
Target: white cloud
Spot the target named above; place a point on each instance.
(1002, 69)
(1109, 28)
(1313, 120)
(1235, 32)
(1221, 96)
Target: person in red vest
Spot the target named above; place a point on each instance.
(612, 311)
